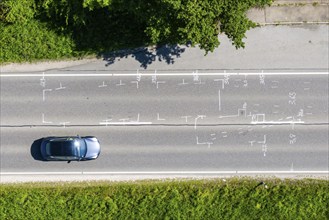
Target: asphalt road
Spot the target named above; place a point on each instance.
(210, 121)
(201, 122)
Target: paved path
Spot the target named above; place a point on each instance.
(292, 12)
(269, 48)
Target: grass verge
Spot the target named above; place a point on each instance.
(235, 198)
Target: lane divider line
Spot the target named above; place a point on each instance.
(160, 74)
(165, 172)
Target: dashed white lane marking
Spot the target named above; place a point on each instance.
(159, 74)
(125, 123)
(168, 172)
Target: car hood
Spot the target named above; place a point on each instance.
(93, 148)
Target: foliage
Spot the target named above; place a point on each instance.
(193, 199)
(12, 11)
(61, 13)
(97, 26)
(33, 41)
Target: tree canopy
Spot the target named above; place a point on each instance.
(106, 25)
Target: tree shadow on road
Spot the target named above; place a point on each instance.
(36, 150)
(146, 56)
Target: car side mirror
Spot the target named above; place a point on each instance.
(69, 161)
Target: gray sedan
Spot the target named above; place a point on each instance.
(74, 148)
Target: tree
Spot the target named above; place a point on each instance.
(182, 21)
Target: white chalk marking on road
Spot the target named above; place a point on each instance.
(120, 84)
(307, 82)
(197, 141)
(276, 106)
(182, 83)
(219, 103)
(262, 78)
(228, 116)
(309, 113)
(167, 172)
(44, 93)
(251, 143)
(160, 119)
(264, 149)
(263, 141)
(154, 77)
(138, 76)
(107, 121)
(306, 89)
(275, 112)
(213, 136)
(241, 111)
(309, 106)
(43, 119)
(124, 119)
(60, 87)
(137, 117)
(280, 122)
(103, 85)
(255, 120)
(264, 145)
(195, 120)
(292, 167)
(203, 143)
(186, 116)
(150, 74)
(245, 81)
(160, 82)
(64, 123)
(43, 80)
(276, 84)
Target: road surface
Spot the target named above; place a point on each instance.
(153, 122)
(176, 120)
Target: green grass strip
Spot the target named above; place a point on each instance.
(235, 198)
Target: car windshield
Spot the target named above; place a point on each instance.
(66, 147)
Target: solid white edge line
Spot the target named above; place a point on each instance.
(161, 74)
(164, 172)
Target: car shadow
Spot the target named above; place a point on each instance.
(36, 150)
